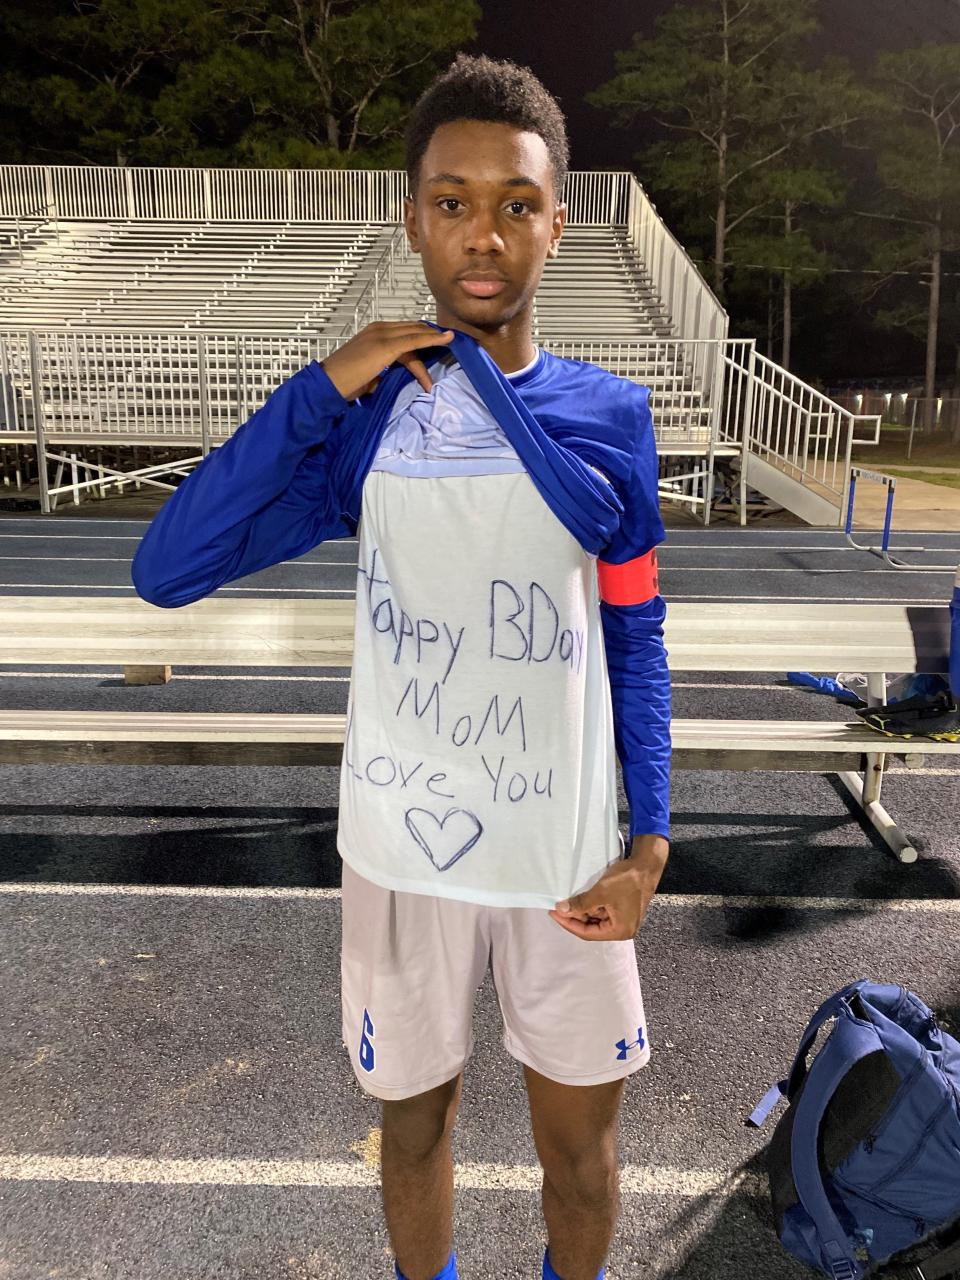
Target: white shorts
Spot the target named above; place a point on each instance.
(411, 965)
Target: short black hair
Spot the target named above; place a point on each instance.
(480, 88)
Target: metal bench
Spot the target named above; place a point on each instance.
(148, 643)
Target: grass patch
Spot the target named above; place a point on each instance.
(949, 479)
(935, 451)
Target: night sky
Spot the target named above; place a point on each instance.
(570, 45)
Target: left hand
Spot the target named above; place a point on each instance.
(614, 908)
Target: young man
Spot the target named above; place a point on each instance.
(508, 645)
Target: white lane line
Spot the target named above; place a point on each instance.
(98, 675)
(168, 891)
(282, 679)
(704, 535)
(257, 592)
(769, 599)
(261, 591)
(666, 566)
(769, 688)
(298, 563)
(866, 906)
(665, 549)
(935, 906)
(105, 537)
(670, 545)
(644, 1180)
(747, 568)
(36, 521)
(73, 537)
(120, 537)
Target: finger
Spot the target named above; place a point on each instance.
(566, 923)
(588, 932)
(389, 327)
(584, 913)
(418, 369)
(572, 922)
(421, 337)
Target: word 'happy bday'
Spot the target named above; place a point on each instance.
(523, 626)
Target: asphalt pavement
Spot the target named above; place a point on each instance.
(176, 1102)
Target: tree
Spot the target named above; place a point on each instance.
(785, 245)
(320, 83)
(916, 128)
(724, 76)
(105, 62)
(287, 83)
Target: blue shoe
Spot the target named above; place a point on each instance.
(550, 1274)
(449, 1272)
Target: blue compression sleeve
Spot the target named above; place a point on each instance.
(261, 497)
(640, 694)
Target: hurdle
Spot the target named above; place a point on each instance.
(877, 477)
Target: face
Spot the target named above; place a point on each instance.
(485, 206)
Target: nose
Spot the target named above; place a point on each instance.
(482, 234)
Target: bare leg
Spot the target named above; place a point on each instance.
(575, 1131)
(417, 1178)
(580, 1224)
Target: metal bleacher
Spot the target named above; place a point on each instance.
(267, 276)
(153, 310)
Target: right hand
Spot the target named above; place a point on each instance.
(355, 368)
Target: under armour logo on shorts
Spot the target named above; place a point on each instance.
(624, 1047)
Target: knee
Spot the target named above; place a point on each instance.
(416, 1127)
(590, 1177)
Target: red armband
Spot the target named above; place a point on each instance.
(634, 582)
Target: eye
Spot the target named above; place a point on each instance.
(447, 200)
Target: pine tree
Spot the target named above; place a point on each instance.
(262, 83)
(916, 132)
(726, 78)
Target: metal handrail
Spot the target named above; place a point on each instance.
(32, 214)
(369, 296)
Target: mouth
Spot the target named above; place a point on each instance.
(482, 286)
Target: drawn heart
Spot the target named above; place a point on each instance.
(450, 844)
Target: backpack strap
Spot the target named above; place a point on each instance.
(829, 1009)
(851, 1040)
(788, 1087)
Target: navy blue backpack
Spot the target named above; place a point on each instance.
(865, 1163)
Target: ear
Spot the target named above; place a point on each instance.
(559, 218)
(410, 223)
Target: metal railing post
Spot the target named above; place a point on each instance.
(49, 190)
(38, 424)
(747, 428)
(847, 458)
(204, 403)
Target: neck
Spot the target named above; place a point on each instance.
(510, 346)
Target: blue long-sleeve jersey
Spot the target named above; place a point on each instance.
(292, 477)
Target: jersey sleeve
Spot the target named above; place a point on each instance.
(632, 612)
(261, 497)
